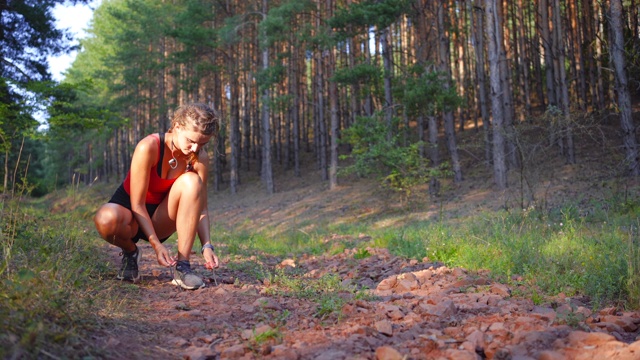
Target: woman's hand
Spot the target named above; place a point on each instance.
(211, 259)
(164, 258)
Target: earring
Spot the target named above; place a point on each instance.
(173, 163)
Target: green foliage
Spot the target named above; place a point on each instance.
(270, 76)
(69, 117)
(361, 254)
(277, 25)
(188, 28)
(374, 153)
(361, 73)
(269, 335)
(19, 147)
(423, 92)
(359, 17)
(29, 33)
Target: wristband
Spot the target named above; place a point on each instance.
(207, 246)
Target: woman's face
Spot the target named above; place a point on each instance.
(188, 141)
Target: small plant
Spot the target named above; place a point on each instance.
(361, 254)
(269, 335)
(398, 167)
(328, 306)
(536, 298)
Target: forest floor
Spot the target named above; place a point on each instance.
(415, 309)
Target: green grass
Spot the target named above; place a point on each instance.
(51, 284)
(564, 250)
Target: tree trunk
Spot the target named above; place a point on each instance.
(599, 67)
(333, 108)
(434, 183)
(295, 111)
(562, 90)
(499, 163)
(508, 111)
(267, 167)
(388, 73)
(535, 55)
(320, 119)
(368, 102)
(543, 9)
(478, 41)
(219, 153)
(234, 124)
(5, 181)
(246, 118)
(525, 65)
(577, 59)
(445, 67)
(624, 100)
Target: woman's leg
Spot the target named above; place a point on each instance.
(116, 225)
(180, 212)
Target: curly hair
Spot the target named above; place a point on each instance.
(198, 117)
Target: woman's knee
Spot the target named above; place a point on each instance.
(189, 183)
(107, 220)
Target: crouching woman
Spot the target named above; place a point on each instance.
(165, 192)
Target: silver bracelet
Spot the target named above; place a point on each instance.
(207, 246)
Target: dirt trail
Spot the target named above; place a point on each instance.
(418, 310)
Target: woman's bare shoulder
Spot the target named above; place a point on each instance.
(148, 147)
(149, 141)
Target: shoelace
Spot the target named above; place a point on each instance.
(190, 271)
(174, 269)
(173, 276)
(129, 260)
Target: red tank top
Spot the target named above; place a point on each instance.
(158, 187)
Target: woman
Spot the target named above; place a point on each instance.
(165, 192)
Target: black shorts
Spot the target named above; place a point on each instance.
(121, 197)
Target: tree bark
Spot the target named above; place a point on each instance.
(333, 108)
(295, 111)
(525, 65)
(478, 41)
(234, 124)
(562, 90)
(388, 73)
(545, 37)
(449, 125)
(246, 118)
(624, 99)
(434, 183)
(267, 167)
(494, 44)
(320, 119)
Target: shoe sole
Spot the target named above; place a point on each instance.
(135, 279)
(179, 282)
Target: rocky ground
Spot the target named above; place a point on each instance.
(414, 310)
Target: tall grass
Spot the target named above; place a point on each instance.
(51, 288)
(565, 250)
